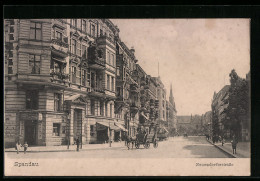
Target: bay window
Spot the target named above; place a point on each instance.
(34, 64)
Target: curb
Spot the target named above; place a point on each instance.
(223, 150)
(64, 150)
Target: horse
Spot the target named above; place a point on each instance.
(129, 140)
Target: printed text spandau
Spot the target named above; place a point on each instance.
(26, 164)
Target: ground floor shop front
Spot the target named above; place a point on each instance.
(50, 128)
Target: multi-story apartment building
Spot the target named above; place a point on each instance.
(161, 96)
(219, 104)
(127, 89)
(59, 80)
(73, 78)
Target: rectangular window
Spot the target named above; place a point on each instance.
(93, 31)
(108, 82)
(112, 60)
(58, 35)
(10, 54)
(34, 64)
(101, 32)
(63, 129)
(74, 46)
(10, 61)
(57, 102)
(112, 84)
(10, 70)
(74, 71)
(35, 31)
(32, 99)
(111, 113)
(92, 106)
(106, 109)
(101, 108)
(11, 37)
(11, 29)
(118, 71)
(56, 129)
(84, 51)
(78, 49)
(84, 25)
(84, 77)
(88, 77)
(108, 58)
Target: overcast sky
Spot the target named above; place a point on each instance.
(195, 55)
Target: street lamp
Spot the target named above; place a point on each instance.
(109, 135)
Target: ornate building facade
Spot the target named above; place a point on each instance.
(73, 78)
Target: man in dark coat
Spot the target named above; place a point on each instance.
(77, 142)
(234, 145)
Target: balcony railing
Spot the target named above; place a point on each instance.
(59, 75)
(99, 61)
(99, 90)
(101, 37)
(61, 42)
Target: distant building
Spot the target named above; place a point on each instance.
(207, 123)
(219, 105)
(161, 96)
(192, 125)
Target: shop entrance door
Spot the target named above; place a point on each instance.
(30, 132)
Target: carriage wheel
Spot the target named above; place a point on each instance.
(128, 145)
(147, 145)
(155, 144)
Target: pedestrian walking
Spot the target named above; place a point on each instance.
(222, 140)
(213, 139)
(77, 142)
(234, 145)
(25, 146)
(17, 146)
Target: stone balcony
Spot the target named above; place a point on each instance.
(60, 47)
(97, 92)
(98, 64)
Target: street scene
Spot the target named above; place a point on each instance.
(177, 147)
(127, 88)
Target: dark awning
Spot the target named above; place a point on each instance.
(111, 125)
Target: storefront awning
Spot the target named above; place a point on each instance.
(111, 125)
(121, 127)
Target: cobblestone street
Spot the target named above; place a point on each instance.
(177, 147)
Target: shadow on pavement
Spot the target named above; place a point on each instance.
(205, 151)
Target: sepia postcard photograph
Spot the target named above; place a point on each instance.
(127, 97)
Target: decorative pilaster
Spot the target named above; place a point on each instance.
(71, 126)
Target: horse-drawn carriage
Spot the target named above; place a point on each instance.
(144, 139)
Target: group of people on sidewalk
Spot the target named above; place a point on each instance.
(216, 139)
(18, 146)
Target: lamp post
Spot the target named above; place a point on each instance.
(109, 135)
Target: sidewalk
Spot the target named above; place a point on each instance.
(243, 149)
(72, 148)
